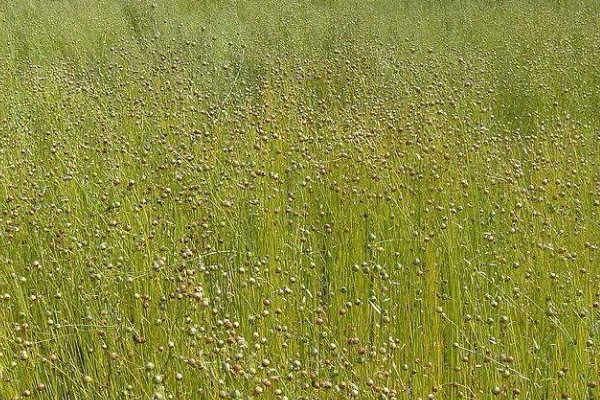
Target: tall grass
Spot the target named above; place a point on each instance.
(299, 199)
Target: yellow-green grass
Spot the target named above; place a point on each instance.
(299, 199)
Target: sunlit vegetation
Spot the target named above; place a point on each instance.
(299, 199)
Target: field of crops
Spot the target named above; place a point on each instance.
(298, 200)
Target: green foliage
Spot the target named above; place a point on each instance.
(299, 199)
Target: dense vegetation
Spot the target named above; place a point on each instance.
(299, 199)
